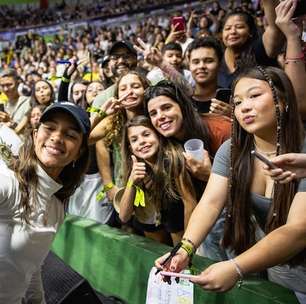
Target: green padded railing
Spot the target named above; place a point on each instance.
(118, 263)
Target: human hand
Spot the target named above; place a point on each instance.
(220, 107)
(151, 54)
(174, 34)
(4, 117)
(138, 172)
(218, 277)
(284, 13)
(179, 262)
(113, 105)
(199, 168)
(70, 69)
(291, 166)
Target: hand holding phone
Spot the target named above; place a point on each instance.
(264, 160)
(178, 23)
(224, 94)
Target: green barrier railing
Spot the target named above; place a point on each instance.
(118, 263)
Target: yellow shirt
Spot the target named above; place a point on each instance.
(95, 77)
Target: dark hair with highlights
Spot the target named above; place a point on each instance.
(239, 226)
(193, 125)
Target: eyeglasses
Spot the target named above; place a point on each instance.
(116, 57)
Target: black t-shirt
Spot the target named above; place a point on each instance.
(257, 49)
(201, 106)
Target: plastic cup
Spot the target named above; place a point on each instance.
(194, 148)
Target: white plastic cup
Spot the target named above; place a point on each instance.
(194, 147)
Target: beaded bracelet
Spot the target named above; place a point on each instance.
(189, 241)
(189, 248)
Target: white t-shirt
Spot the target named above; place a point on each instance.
(23, 247)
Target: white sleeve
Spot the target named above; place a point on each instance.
(7, 185)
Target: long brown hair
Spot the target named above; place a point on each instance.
(119, 118)
(25, 166)
(239, 226)
(168, 168)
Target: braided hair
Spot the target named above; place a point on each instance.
(239, 226)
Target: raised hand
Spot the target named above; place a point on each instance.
(284, 12)
(138, 172)
(151, 54)
(174, 34)
(113, 105)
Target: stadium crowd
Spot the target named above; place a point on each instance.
(231, 75)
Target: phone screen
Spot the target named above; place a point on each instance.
(1, 107)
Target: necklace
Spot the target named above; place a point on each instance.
(267, 153)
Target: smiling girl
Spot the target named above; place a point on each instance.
(33, 190)
(157, 167)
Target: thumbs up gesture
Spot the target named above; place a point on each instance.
(138, 170)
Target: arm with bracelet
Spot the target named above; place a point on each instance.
(201, 221)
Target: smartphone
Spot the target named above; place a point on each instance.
(2, 107)
(224, 94)
(178, 275)
(179, 23)
(300, 9)
(264, 160)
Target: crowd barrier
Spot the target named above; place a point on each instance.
(118, 263)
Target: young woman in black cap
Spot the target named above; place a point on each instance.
(33, 191)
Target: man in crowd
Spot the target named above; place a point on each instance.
(17, 106)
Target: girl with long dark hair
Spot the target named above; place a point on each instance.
(265, 221)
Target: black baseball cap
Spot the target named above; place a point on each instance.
(78, 113)
(123, 44)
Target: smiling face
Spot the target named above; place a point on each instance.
(166, 116)
(43, 92)
(121, 61)
(131, 83)
(57, 142)
(204, 65)
(236, 32)
(144, 142)
(254, 107)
